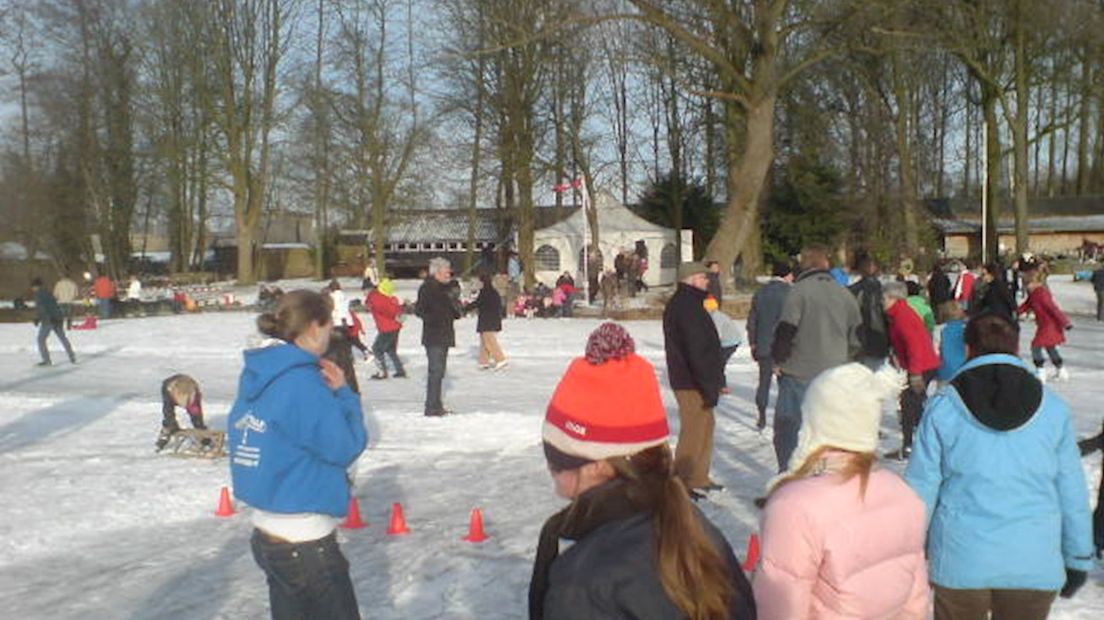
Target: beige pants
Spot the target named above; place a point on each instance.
(694, 451)
(489, 349)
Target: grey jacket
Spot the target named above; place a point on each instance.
(766, 307)
(819, 327)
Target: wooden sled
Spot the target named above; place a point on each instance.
(191, 444)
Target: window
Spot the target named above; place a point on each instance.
(668, 257)
(547, 258)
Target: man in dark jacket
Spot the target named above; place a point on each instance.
(49, 318)
(766, 307)
(438, 307)
(694, 370)
(714, 274)
(873, 334)
(939, 287)
(818, 329)
(1098, 286)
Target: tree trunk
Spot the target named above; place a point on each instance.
(992, 182)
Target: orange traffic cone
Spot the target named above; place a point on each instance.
(475, 527)
(352, 520)
(398, 522)
(752, 553)
(225, 507)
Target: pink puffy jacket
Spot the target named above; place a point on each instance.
(827, 553)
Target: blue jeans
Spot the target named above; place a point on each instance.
(306, 580)
(438, 361)
(787, 417)
(105, 307)
(44, 329)
(387, 343)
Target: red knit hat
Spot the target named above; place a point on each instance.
(607, 403)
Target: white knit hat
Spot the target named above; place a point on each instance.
(843, 409)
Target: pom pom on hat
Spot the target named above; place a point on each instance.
(710, 304)
(607, 404)
(609, 341)
(843, 409)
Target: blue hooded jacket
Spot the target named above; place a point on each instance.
(291, 436)
(996, 462)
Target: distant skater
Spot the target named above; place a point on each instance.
(49, 318)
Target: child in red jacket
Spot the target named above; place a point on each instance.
(914, 353)
(1050, 328)
(386, 311)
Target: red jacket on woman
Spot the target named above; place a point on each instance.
(911, 343)
(385, 311)
(1050, 321)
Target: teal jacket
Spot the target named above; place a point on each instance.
(996, 462)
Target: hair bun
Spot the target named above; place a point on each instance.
(609, 341)
(268, 324)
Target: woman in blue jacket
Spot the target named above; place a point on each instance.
(294, 429)
(997, 464)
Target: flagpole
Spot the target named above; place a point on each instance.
(586, 239)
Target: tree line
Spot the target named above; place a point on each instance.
(127, 115)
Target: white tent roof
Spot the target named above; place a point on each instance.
(613, 218)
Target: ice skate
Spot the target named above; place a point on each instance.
(1062, 374)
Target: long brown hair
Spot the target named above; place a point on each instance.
(859, 465)
(294, 314)
(692, 571)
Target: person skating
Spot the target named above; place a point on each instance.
(694, 371)
(729, 334)
(66, 293)
(993, 297)
(294, 429)
(996, 463)
(913, 353)
(873, 333)
(766, 307)
(818, 329)
(1051, 325)
(952, 343)
(1098, 288)
(104, 290)
(842, 538)
(386, 311)
(179, 391)
(438, 308)
(49, 318)
(963, 290)
(920, 305)
(630, 544)
(939, 287)
(488, 324)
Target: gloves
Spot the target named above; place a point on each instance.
(1074, 580)
(1069, 327)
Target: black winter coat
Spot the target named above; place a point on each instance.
(610, 572)
(489, 305)
(715, 289)
(693, 348)
(438, 309)
(995, 299)
(939, 289)
(873, 333)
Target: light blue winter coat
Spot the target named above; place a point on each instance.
(952, 349)
(1007, 508)
(290, 436)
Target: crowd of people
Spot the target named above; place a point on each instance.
(991, 516)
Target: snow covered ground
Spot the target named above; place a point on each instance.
(93, 524)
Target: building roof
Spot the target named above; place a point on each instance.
(445, 225)
(969, 207)
(1052, 224)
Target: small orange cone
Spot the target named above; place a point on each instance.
(225, 507)
(398, 522)
(352, 520)
(752, 553)
(475, 527)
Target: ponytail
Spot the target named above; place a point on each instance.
(693, 573)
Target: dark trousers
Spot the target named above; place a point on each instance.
(44, 329)
(762, 392)
(438, 362)
(787, 417)
(1052, 353)
(726, 353)
(387, 343)
(951, 604)
(307, 580)
(912, 406)
(1100, 305)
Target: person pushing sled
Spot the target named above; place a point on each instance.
(183, 391)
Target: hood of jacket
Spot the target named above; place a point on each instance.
(999, 390)
(266, 364)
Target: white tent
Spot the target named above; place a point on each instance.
(559, 247)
